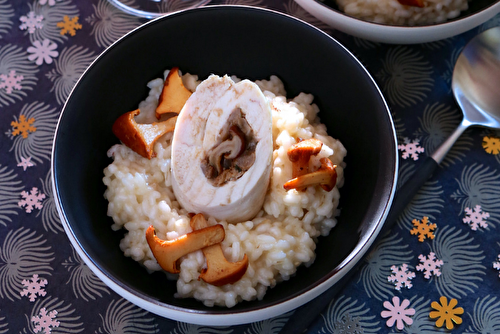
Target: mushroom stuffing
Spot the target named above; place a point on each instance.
(223, 184)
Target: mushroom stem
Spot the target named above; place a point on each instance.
(168, 252)
(325, 176)
(219, 271)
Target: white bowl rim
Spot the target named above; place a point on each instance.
(148, 14)
(397, 34)
(237, 317)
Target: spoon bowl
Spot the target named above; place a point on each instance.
(476, 79)
(476, 86)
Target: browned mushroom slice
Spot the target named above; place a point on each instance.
(141, 137)
(229, 149)
(219, 271)
(413, 3)
(168, 252)
(234, 152)
(300, 153)
(325, 176)
(174, 94)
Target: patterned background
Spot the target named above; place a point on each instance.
(45, 45)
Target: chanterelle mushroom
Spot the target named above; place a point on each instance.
(325, 176)
(232, 156)
(141, 137)
(219, 271)
(228, 149)
(414, 3)
(174, 94)
(300, 153)
(167, 252)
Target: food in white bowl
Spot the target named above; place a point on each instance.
(276, 238)
(390, 21)
(404, 12)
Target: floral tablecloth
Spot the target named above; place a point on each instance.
(438, 267)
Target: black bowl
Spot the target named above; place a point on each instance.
(250, 43)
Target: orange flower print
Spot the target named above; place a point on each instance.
(446, 312)
(23, 126)
(69, 26)
(491, 144)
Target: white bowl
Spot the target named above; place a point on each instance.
(400, 34)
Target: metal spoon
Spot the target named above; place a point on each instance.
(476, 87)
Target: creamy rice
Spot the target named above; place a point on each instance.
(394, 13)
(281, 238)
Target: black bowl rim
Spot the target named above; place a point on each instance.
(230, 317)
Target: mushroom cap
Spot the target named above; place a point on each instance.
(173, 95)
(141, 137)
(304, 149)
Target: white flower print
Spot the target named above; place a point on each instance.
(11, 81)
(398, 313)
(44, 51)
(44, 2)
(31, 22)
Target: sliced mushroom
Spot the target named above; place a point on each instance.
(413, 3)
(233, 154)
(325, 176)
(219, 271)
(141, 137)
(300, 153)
(174, 94)
(229, 149)
(168, 252)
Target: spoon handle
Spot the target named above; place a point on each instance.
(443, 149)
(407, 191)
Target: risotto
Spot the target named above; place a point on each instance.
(280, 238)
(394, 13)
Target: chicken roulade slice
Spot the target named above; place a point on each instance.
(222, 149)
